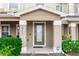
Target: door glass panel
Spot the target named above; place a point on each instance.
(39, 33)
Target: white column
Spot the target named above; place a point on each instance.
(0, 28)
(23, 36)
(71, 8)
(57, 40)
(73, 31)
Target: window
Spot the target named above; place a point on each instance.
(5, 29)
(17, 29)
(59, 7)
(75, 7)
(13, 7)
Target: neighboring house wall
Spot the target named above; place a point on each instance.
(66, 7)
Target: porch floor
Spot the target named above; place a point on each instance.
(40, 50)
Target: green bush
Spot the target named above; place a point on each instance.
(10, 46)
(69, 46)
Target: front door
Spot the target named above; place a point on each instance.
(38, 34)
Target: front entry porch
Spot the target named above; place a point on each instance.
(39, 34)
(50, 36)
(42, 33)
(45, 50)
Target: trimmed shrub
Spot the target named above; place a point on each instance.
(69, 46)
(10, 46)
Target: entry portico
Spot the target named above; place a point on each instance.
(47, 22)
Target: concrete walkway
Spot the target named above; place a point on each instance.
(54, 54)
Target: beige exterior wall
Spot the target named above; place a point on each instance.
(65, 29)
(39, 15)
(29, 34)
(78, 31)
(49, 34)
(12, 27)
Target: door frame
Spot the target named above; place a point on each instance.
(44, 34)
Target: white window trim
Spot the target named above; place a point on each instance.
(16, 28)
(44, 34)
(5, 25)
(77, 11)
(60, 7)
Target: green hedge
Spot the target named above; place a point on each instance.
(10, 46)
(69, 46)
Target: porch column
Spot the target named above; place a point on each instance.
(0, 28)
(23, 28)
(73, 27)
(57, 30)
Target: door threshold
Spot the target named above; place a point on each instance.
(37, 47)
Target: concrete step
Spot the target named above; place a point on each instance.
(57, 54)
(39, 54)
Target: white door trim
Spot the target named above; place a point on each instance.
(44, 34)
(16, 29)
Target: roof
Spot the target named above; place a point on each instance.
(43, 8)
(7, 15)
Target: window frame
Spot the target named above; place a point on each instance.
(8, 28)
(76, 5)
(13, 9)
(59, 7)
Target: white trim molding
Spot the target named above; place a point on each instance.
(57, 22)
(72, 25)
(73, 30)
(22, 22)
(16, 28)
(57, 30)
